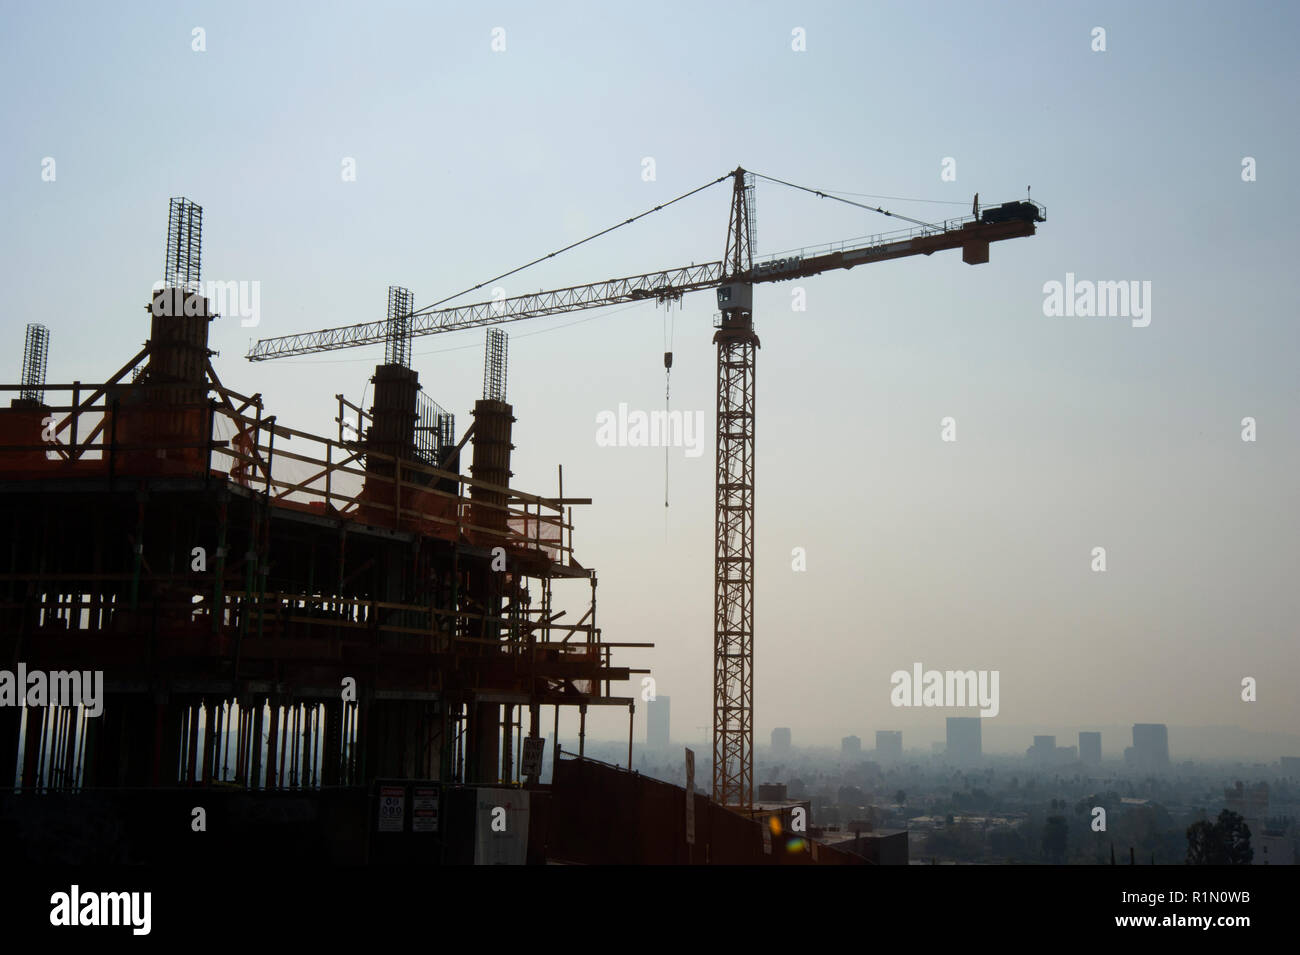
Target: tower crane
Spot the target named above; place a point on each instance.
(733, 278)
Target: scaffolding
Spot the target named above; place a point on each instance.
(230, 576)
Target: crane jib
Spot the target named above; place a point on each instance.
(892, 247)
(777, 267)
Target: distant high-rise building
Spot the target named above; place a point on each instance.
(1090, 749)
(1290, 766)
(851, 746)
(889, 744)
(1043, 752)
(964, 744)
(781, 738)
(658, 722)
(1150, 746)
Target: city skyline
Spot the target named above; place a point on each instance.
(1187, 743)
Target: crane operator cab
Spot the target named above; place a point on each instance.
(736, 296)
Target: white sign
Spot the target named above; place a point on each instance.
(424, 810)
(392, 808)
(501, 828)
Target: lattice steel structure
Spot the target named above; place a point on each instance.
(494, 365)
(751, 214)
(397, 337)
(664, 285)
(183, 267)
(733, 553)
(733, 600)
(36, 353)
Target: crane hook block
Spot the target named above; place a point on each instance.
(668, 359)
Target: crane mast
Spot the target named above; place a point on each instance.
(733, 278)
(733, 542)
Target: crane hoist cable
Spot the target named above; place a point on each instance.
(668, 370)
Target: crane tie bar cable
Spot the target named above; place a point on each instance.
(827, 195)
(551, 255)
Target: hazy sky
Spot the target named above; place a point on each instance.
(1072, 432)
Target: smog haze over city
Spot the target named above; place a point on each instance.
(836, 433)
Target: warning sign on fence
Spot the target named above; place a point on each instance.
(424, 810)
(392, 808)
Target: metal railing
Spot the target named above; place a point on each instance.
(885, 238)
(116, 430)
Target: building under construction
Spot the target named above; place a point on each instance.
(371, 619)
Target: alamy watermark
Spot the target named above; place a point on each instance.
(242, 300)
(76, 908)
(946, 688)
(655, 429)
(1088, 299)
(23, 687)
